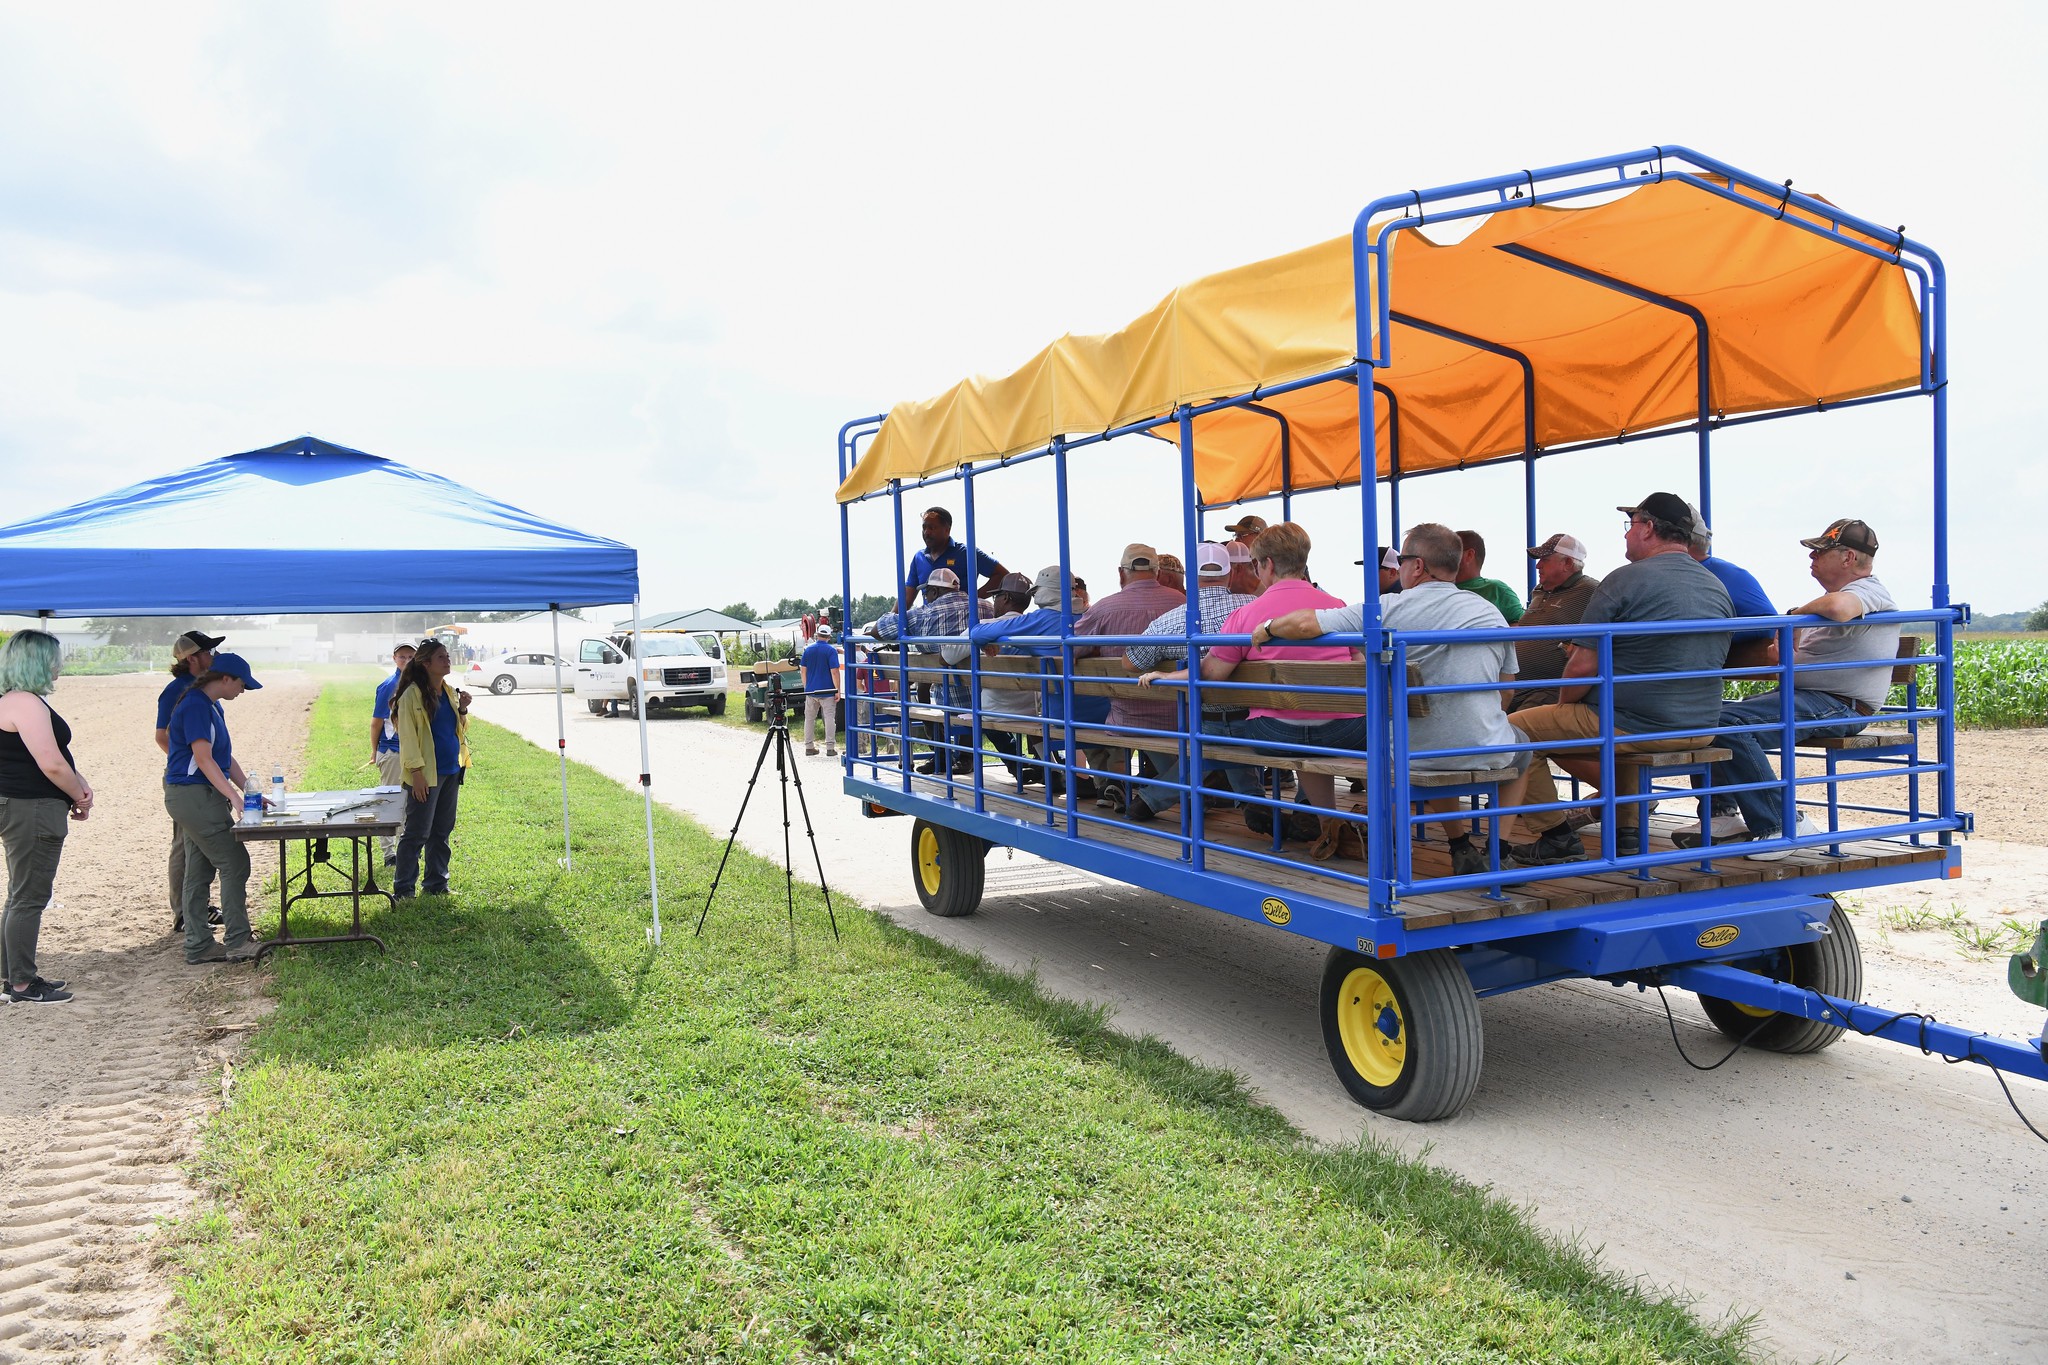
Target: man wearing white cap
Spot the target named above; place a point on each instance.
(820, 661)
(944, 612)
(1563, 587)
(1214, 602)
(1390, 572)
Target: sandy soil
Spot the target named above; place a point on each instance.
(105, 1095)
(1870, 1204)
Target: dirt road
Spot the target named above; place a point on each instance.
(105, 1095)
(1867, 1202)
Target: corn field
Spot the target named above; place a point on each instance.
(2000, 684)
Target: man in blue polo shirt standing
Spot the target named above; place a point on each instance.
(941, 551)
(821, 688)
(191, 655)
(384, 739)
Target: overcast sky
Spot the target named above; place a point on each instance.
(632, 268)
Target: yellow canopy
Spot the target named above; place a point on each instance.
(1793, 318)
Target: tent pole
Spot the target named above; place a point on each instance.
(646, 781)
(561, 731)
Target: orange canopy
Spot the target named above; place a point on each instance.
(1793, 318)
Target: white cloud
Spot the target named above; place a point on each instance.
(633, 266)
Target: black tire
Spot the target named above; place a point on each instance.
(948, 869)
(1403, 1033)
(504, 685)
(632, 700)
(1831, 964)
(715, 707)
(598, 708)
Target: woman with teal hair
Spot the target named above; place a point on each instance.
(40, 788)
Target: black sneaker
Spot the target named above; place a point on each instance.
(1556, 845)
(54, 985)
(37, 992)
(1139, 811)
(1466, 859)
(1304, 826)
(1258, 819)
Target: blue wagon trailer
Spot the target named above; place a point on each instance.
(1656, 294)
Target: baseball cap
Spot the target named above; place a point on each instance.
(235, 666)
(1139, 555)
(1045, 588)
(1170, 563)
(1700, 529)
(1664, 507)
(1239, 552)
(1253, 524)
(192, 642)
(1845, 532)
(1571, 547)
(945, 580)
(1389, 559)
(824, 629)
(1211, 560)
(1016, 583)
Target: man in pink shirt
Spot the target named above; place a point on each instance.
(1280, 560)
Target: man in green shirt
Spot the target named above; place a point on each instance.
(1492, 589)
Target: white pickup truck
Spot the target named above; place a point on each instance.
(676, 669)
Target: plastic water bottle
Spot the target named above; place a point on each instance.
(277, 787)
(252, 804)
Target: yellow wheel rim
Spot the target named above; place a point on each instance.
(1370, 1023)
(1757, 1012)
(928, 870)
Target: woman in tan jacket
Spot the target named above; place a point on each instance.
(432, 717)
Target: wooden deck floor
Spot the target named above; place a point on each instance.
(1162, 838)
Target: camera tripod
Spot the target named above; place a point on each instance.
(785, 773)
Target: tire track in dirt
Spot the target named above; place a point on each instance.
(106, 1094)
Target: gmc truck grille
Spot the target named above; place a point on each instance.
(683, 677)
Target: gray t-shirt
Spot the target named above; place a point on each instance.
(1455, 719)
(1666, 587)
(1833, 644)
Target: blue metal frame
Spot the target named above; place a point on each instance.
(1641, 936)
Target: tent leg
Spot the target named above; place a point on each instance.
(561, 732)
(646, 780)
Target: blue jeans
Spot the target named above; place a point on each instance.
(1762, 811)
(1243, 780)
(1345, 732)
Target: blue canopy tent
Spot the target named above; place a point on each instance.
(309, 526)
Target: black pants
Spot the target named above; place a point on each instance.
(428, 824)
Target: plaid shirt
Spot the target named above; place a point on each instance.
(945, 614)
(1215, 604)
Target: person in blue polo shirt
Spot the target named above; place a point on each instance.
(941, 551)
(821, 689)
(203, 786)
(191, 655)
(384, 738)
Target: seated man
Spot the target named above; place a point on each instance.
(1471, 579)
(944, 613)
(1012, 599)
(1842, 564)
(1043, 619)
(1431, 600)
(1215, 602)
(1563, 587)
(1280, 558)
(1140, 599)
(1659, 583)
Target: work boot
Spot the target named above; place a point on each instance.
(1556, 845)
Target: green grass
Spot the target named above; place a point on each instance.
(525, 1135)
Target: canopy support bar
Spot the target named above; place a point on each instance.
(561, 731)
(1528, 416)
(1286, 456)
(1703, 363)
(1393, 465)
(646, 777)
